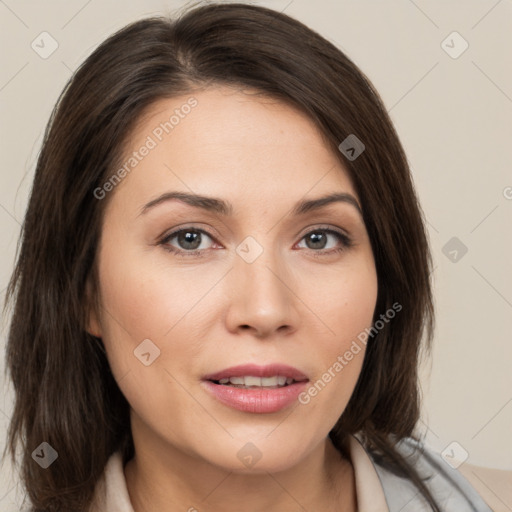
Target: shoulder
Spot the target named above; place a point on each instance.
(452, 491)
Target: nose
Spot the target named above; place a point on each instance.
(261, 295)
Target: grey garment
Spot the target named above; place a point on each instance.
(452, 492)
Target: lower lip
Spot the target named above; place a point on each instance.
(256, 400)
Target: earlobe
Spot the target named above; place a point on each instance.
(93, 326)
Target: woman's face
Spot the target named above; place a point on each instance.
(269, 285)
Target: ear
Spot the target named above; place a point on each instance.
(93, 326)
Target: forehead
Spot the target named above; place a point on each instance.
(227, 142)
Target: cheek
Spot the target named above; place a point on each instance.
(345, 303)
(346, 307)
(143, 299)
(152, 315)
(147, 338)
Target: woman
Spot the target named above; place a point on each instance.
(272, 363)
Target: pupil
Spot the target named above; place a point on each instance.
(316, 238)
(190, 237)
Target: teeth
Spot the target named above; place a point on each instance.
(250, 380)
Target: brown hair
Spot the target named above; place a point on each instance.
(65, 393)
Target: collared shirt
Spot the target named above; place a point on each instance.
(378, 489)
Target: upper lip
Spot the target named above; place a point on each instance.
(254, 370)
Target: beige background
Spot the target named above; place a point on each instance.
(454, 118)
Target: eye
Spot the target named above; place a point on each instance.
(189, 241)
(317, 240)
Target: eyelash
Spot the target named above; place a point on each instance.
(343, 238)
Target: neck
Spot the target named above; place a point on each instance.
(167, 479)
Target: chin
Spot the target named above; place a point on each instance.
(256, 454)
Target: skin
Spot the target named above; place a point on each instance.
(295, 304)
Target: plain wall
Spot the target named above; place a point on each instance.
(453, 115)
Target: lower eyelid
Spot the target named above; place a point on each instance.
(345, 242)
(344, 239)
(166, 240)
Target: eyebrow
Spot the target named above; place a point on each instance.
(219, 206)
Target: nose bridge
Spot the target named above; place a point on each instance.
(260, 265)
(262, 295)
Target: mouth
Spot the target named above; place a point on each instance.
(256, 389)
(252, 382)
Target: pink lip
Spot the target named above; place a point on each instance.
(256, 400)
(258, 371)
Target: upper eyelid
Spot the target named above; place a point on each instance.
(338, 231)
